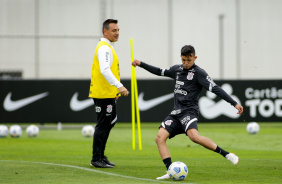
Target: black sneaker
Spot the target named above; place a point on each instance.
(105, 159)
(100, 164)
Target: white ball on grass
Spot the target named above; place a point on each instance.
(177, 171)
(15, 131)
(32, 130)
(253, 128)
(87, 131)
(4, 131)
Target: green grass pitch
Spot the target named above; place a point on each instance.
(64, 156)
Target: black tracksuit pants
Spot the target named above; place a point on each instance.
(106, 118)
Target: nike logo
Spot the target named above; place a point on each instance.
(211, 109)
(77, 105)
(10, 105)
(145, 105)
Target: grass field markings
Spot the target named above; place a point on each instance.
(279, 160)
(89, 169)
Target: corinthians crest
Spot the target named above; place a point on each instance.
(190, 76)
(109, 108)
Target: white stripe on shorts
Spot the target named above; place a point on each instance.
(163, 70)
(163, 125)
(189, 123)
(114, 120)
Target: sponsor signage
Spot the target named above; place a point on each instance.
(43, 101)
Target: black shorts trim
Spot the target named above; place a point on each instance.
(190, 124)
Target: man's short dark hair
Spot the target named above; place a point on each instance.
(188, 50)
(107, 22)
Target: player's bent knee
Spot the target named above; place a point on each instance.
(162, 136)
(195, 137)
(159, 139)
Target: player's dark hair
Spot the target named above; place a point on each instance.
(188, 50)
(107, 22)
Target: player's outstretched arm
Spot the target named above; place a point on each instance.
(149, 68)
(239, 108)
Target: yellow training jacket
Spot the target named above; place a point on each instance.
(100, 87)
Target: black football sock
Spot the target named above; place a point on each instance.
(221, 151)
(167, 162)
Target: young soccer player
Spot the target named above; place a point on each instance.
(189, 81)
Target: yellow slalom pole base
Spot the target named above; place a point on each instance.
(138, 116)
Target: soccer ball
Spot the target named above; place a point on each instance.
(253, 128)
(87, 131)
(15, 131)
(177, 171)
(32, 130)
(3, 131)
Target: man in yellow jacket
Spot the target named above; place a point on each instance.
(104, 87)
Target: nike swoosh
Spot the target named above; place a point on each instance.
(77, 105)
(145, 105)
(10, 105)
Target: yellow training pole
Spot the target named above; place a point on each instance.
(138, 114)
(132, 98)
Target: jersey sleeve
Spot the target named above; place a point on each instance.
(206, 81)
(158, 71)
(105, 57)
